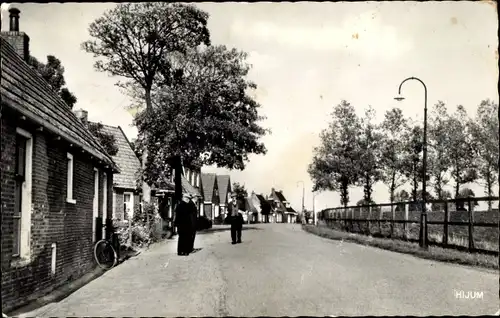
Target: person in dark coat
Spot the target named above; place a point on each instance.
(184, 223)
(193, 215)
(236, 224)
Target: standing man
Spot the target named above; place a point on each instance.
(183, 222)
(236, 223)
(193, 216)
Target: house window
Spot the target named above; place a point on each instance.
(140, 204)
(198, 180)
(69, 185)
(22, 194)
(128, 205)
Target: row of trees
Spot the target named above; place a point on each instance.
(193, 97)
(359, 152)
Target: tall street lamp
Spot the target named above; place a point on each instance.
(315, 218)
(423, 216)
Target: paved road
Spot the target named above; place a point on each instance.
(279, 270)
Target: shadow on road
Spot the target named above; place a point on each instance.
(224, 229)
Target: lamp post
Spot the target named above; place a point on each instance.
(315, 218)
(423, 216)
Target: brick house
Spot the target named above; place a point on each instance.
(210, 197)
(56, 181)
(283, 212)
(224, 186)
(260, 208)
(127, 197)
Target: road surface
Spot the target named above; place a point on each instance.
(279, 270)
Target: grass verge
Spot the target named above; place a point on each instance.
(432, 253)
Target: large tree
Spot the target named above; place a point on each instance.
(335, 165)
(53, 73)
(369, 161)
(394, 127)
(205, 117)
(439, 144)
(461, 150)
(484, 130)
(240, 194)
(133, 41)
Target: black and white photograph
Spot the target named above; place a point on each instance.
(250, 159)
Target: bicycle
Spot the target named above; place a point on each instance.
(105, 254)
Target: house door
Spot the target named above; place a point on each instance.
(128, 206)
(95, 209)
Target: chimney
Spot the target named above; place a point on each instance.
(82, 115)
(18, 40)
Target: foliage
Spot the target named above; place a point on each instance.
(53, 73)
(141, 217)
(412, 164)
(240, 194)
(394, 127)
(134, 40)
(207, 117)
(334, 165)
(484, 131)
(369, 158)
(439, 145)
(107, 140)
(461, 149)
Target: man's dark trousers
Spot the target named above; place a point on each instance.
(184, 243)
(236, 233)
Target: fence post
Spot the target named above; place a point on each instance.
(379, 222)
(369, 220)
(405, 224)
(446, 220)
(471, 226)
(392, 220)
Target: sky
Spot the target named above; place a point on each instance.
(306, 58)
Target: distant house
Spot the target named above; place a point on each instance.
(56, 181)
(224, 186)
(283, 212)
(210, 196)
(260, 207)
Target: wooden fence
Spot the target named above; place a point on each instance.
(454, 223)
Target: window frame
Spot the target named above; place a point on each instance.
(70, 169)
(23, 256)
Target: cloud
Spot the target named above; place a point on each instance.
(361, 33)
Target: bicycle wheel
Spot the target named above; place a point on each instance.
(105, 254)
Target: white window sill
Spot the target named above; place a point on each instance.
(72, 201)
(20, 262)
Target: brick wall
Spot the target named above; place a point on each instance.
(53, 220)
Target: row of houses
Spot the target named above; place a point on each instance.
(273, 208)
(60, 187)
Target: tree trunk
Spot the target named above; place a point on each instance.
(146, 189)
